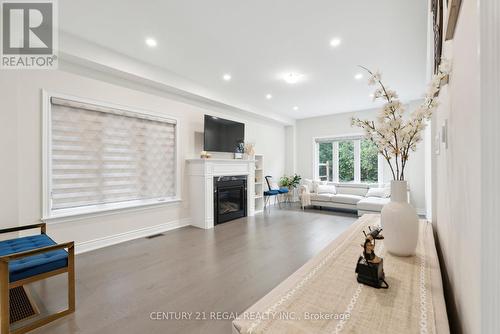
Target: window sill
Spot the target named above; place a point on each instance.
(65, 215)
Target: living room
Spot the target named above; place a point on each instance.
(185, 167)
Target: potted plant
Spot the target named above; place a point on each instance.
(290, 182)
(396, 134)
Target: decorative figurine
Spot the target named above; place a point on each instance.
(205, 155)
(370, 267)
(249, 151)
(238, 152)
(369, 245)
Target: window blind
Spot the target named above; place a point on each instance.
(101, 155)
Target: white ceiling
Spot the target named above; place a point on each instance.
(256, 41)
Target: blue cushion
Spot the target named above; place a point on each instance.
(283, 190)
(35, 264)
(271, 192)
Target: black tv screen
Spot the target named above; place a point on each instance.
(222, 135)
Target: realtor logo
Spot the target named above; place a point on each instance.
(29, 36)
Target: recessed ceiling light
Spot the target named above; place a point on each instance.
(358, 76)
(292, 77)
(335, 42)
(269, 96)
(295, 108)
(226, 77)
(151, 42)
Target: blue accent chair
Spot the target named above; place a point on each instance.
(29, 259)
(281, 190)
(269, 193)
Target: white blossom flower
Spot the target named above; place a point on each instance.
(433, 89)
(374, 78)
(391, 94)
(377, 94)
(392, 133)
(445, 66)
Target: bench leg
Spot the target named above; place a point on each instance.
(71, 279)
(4, 298)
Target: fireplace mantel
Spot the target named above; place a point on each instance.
(201, 173)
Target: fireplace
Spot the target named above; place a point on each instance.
(230, 198)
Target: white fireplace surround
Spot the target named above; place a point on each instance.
(201, 173)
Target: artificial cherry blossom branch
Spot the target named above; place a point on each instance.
(394, 135)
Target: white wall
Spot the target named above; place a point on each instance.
(291, 150)
(21, 160)
(490, 162)
(457, 202)
(340, 124)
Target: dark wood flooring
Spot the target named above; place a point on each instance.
(226, 269)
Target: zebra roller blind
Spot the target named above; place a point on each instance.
(101, 155)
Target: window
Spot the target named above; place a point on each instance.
(348, 160)
(369, 161)
(100, 158)
(325, 161)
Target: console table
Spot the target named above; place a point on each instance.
(323, 296)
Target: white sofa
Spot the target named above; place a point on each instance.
(345, 196)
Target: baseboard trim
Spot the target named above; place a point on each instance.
(111, 240)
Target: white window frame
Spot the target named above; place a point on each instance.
(101, 209)
(357, 137)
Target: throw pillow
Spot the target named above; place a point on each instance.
(326, 189)
(378, 192)
(317, 183)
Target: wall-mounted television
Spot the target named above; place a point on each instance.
(222, 135)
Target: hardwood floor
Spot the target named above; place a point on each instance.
(226, 269)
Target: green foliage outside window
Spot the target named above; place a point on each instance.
(325, 152)
(369, 161)
(346, 161)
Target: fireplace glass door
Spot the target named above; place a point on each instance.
(230, 198)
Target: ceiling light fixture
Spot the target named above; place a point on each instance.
(226, 77)
(151, 42)
(335, 42)
(292, 77)
(358, 76)
(295, 108)
(269, 96)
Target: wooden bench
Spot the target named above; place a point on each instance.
(29, 259)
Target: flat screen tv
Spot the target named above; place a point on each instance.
(222, 135)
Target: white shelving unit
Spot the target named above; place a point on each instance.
(259, 183)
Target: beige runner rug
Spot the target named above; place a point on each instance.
(327, 298)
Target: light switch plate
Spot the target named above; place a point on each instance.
(437, 143)
(444, 133)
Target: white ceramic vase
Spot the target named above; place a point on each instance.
(400, 222)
